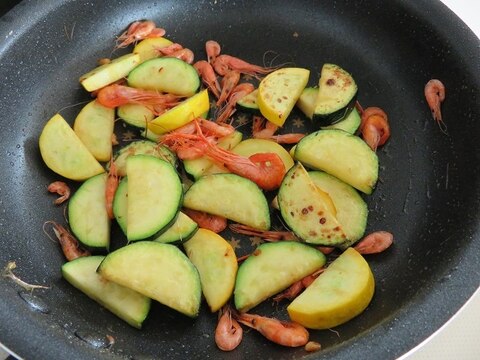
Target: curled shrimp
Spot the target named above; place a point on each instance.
(184, 55)
(297, 287)
(374, 243)
(374, 127)
(204, 220)
(201, 126)
(213, 50)
(228, 333)
(229, 81)
(225, 63)
(284, 333)
(70, 246)
(206, 72)
(272, 236)
(115, 95)
(435, 94)
(111, 188)
(61, 189)
(237, 93)
(138, 30)
(264, 129)
(170, 49)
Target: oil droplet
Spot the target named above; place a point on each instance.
(35, 302)
(94, 339)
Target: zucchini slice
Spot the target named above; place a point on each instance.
(135, 115)
(231, 196)
(272, 268)
(87, 214)
(304, 209)
(142, 147)
(342, 292)
(336, 95)
(120, 204)
(250, 147)
(154, 196)
(351, 209)
(148, 48)
(249, 103)
(306, 101)
(106, 74)
(127, 304)
(64, 153)
(342, 155)
(94, 126)
(160, 271)
(217, 265)
(165, 74)
(279, 91)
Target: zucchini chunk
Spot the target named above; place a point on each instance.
(217, 265)
(304, 209)
(337, 92)
(94, 126)
(160, 271)
(342, 155)
(142, 147)
(154, 196)
(306, 103)
(249, 103)
(351, 209)
(64, 153)
(148, 48)
(135, 115)
(250, 147)
(120, 204)
(127, 304)
(165, 74)
(87, 214)
(279, 91)
(106, 74)
(181, 114)
(231, 196)
(272, 268)
(342, 292)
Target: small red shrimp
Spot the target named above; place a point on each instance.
(111, 188)
(228, 333)
(170, 49)
(435, 94)
(116, 95)
(200, 126)
(209, 78)
(61, 189)
(204, 220)
(229, 81)
(237, 93)
(183, 54)
(284, 333)
(272, 236)
(225, 63)
(70, 246)
(297, 287)
(374, 243)
(264, 129)
(374, 127)
(325, 249)
(213, 50)
(137, 31)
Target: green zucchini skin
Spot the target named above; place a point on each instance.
(249, 103)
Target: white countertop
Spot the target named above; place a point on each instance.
(458, 338)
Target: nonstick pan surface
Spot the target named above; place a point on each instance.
(428, 195)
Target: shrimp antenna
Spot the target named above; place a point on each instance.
(50, 222)
(73, 105)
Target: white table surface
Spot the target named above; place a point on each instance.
(458, 338)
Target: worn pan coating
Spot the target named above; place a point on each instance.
(428, 195)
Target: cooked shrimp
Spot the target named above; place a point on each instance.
(116, 95)
(374, 243)
(325, 249)
(201, 126)
(237, 93)
(170, 49)
(209, 78)
(225, 63)
(111, 188)
(374, 127)
(264, 129)
(70, 246)
(229, 81)
(272, 236)
(228, 333)
(137, 31)
(297, 287)
(284, 333)
(60, 188)
(204, 220)
(435, 94)
(183, 54)
(213, 50)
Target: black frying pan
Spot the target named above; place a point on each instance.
(428, 196)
